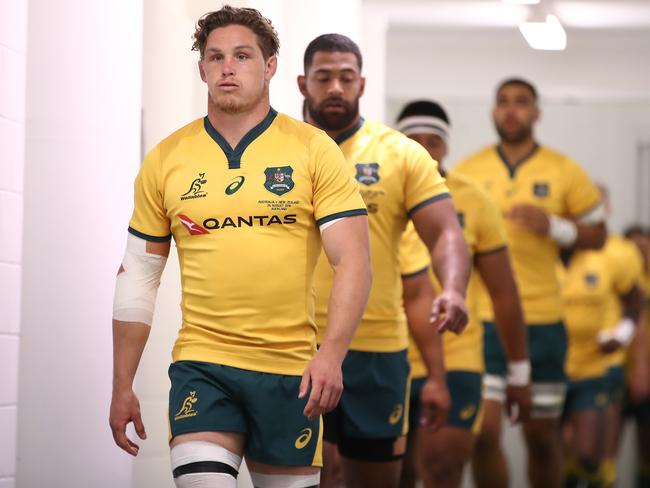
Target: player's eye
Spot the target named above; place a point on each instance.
(242, 57)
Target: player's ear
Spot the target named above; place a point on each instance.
(362, 85)
(202, 71)
(537, 115)
(271, 67)
(302, 84)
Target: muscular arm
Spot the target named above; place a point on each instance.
(130, 337)
(418, 295)
(590, 236)
(437, 225)
(497, 275)
(347, 246)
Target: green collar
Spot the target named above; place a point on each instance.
(344, 136)
(512, 169)
(234, 155)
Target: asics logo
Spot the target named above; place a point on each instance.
(235, 185)
(303, 439)
(396, 414)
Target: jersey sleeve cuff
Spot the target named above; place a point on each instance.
(493, 250)
(415, 273)
(147, 237)
(429, 201)
(340, 215)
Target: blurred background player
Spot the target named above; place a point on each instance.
(549, 203)
(621, 318)
(595, 282)
(637, 404)
(398, 181)
(438, 457)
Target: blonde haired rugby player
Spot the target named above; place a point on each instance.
(249, 195)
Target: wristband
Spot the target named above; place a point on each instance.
(519, 372)
(562, 231)
(623, 333)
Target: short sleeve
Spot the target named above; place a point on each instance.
(414, 256)
(627, 267)
(335, 194)
(581, 195)
(149, 220)
(490, 234)
(423, 184)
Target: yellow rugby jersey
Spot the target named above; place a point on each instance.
(483, 231)
(396, 176)
(548, 180)
(626, 262)
(245, 222)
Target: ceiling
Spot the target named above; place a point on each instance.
(581, 14)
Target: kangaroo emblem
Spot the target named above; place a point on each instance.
(187, 410)
(196, 185)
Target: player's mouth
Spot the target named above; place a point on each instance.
(228, 86)
(334, 106)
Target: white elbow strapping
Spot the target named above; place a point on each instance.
(136, 286)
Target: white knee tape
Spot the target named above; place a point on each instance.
(201, 464)
(285, 480)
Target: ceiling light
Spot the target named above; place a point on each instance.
(521, 2)
(547, 35)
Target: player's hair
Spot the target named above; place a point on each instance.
(267, 37)
(424, 107)
(331, 43)
(635, 230)
(518, 81)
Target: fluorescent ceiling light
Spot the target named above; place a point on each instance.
(547, 35)
(521, 2)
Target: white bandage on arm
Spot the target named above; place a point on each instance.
(562, 231)
(137, 283)
(519, 372)
(623, 333)
(329, 224)
(565, 232)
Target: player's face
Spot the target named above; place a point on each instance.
(515, 113)
(234, 69)
(332, 87)
(433, 144)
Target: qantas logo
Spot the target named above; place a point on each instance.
(192, 227)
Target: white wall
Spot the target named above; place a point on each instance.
(82, 153)
(13, 47)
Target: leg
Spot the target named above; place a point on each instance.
(331, 474)
(488, 461)
(206, 459)
(410, 466)
(586, 447)
(372, 474)
(271, 476)
(544, 444)
(444, 455)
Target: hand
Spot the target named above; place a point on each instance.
(519, 402)
(323, 374)
(609, 346)
(125, 408)
(530, 217)
(449, 312)
(436, 403)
